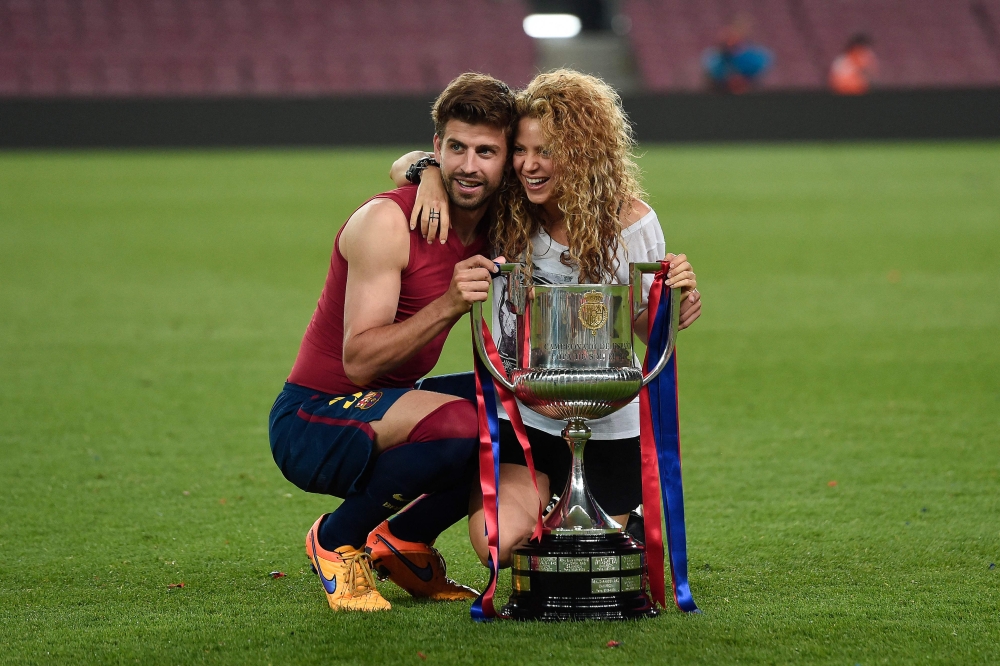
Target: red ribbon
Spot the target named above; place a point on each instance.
(487, 465)
(526, 349)
(482, 608)
(514, 413)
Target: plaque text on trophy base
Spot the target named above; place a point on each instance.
(579, 577)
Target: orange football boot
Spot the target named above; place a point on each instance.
(414, 566)
(346, 575)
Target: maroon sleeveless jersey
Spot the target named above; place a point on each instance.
(427, 276)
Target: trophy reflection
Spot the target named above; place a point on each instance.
(575, 362)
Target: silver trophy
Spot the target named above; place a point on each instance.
(575, 362)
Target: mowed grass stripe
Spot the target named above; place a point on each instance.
(152, 304)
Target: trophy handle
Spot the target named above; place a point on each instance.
(673, 313)
(477, 332)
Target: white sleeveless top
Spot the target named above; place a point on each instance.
(643, 241)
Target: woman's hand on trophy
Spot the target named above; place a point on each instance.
(681, 275)
(690, 309)
(430, 210)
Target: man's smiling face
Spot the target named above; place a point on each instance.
(472, 159)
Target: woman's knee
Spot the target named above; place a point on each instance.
(505, 551)
(515, 531)
(508, 546)
(513, 534)
(518, 513)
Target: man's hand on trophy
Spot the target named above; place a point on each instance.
(682, 275)
(470, 283)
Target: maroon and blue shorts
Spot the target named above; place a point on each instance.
(324, 443)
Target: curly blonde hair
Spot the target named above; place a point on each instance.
(596, 177)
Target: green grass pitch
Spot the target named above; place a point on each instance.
(840, 403)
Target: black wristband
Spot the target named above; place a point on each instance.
(417, 168)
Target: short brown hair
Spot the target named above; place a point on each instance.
(476, 99)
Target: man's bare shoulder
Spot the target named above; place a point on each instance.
(379, 227)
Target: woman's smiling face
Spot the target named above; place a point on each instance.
(532, 162)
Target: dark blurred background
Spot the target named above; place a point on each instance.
(273, 72)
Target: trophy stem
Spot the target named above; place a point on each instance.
(577, 512)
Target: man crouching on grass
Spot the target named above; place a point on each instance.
(349, 422)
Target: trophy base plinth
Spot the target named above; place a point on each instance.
(579, 577)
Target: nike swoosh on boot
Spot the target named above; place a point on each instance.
(330, 585)
(425, 573)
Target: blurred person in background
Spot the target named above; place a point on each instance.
(735, 65)
(571, 211)
(852, 71)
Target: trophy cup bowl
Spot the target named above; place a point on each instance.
(575, 362)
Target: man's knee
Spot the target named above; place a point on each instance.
(442, 448)
(423, 416)
(456, 419)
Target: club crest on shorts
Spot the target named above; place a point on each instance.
(593, 312)
(368, 399)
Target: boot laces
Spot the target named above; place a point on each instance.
(360, 579)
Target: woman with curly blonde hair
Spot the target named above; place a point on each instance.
(571, 210)
(572, 124)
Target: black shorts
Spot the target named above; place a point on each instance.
(323, 443)
(613, 466)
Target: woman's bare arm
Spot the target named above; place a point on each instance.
(431, 196)
(398, 170)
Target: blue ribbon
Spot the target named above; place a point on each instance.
(666, 433)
